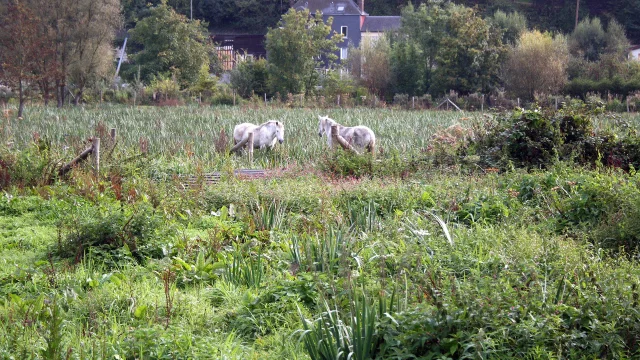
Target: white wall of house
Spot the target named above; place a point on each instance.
(371, 37)
(634, 54)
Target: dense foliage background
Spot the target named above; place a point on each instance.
(525, 50)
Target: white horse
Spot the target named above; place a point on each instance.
(358, 136)
(264, 135)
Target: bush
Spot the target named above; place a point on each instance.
(347, 164)
(536, 138)
(341, 163)
(30, 167)
(223, 97)
(250, 77)
(580, 87)
(528, 138)
(137, 231)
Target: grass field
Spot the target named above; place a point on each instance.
(444, 261)
(180, 130)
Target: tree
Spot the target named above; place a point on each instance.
(249, 77)
(386, 7)
(512, 24)
(469, 55)
(623, 11)
(616, 41)
(588, 40)
(19, 48)
(170, 44)
(536, 65)
(407, 74)
(91, 57)
(444, 47)
(598, 54)
(300, 44)
(370, 64)
(423, 30)
(246, 15)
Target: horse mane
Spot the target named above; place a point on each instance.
(277, 123)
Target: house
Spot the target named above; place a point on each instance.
(634, 52)
(351, 20)
(232, 48)
(375, 26)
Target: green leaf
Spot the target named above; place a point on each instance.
(140, 311)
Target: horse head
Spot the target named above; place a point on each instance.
(279, 131)
(322, 125)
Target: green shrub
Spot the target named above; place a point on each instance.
(29, 167)
(249, 78)
(341, 163)
(104, 231)
(536, 139)
(486, 209)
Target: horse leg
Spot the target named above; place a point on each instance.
(372, 148)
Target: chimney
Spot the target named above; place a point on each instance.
(362, 6)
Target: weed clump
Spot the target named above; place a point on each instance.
(345, 164)
(112, 232)
(537, 138)
(32, 166)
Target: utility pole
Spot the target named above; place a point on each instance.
(191, 7)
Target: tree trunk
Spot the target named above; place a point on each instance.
(59, 94)
(77, 98)
(21, 98)
(46, 91)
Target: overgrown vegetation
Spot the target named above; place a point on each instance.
(423, 251)
(538, 138)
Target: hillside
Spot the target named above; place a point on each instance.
(232, 16)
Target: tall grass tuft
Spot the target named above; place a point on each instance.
(268, 216)
(363, 217)
(319, 253)
(243, 271)
(330, 337)
(326, 337)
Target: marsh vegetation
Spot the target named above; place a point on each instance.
(447, 245)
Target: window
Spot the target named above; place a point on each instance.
(343, 30)
(343, 53)
(340, 8)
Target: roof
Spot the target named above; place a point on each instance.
(381, 23)
(329, 7)
(634, 47)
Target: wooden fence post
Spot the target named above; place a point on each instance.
(482, 104)
(250, 147)
(334, 134)
(112, 133)
(413, 102)
(96, 156)
(338, 99)
(336, 140)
